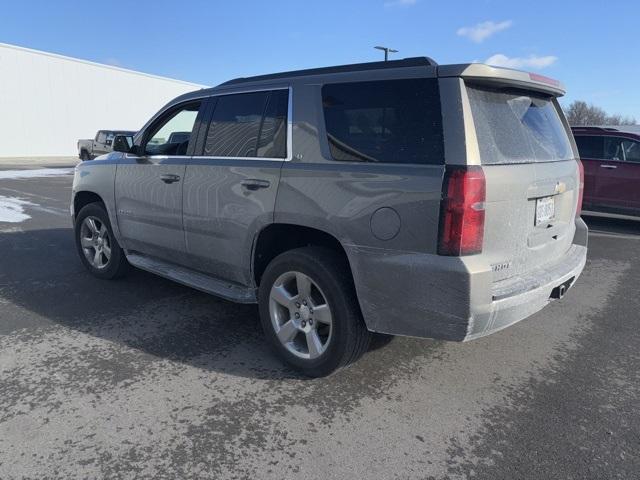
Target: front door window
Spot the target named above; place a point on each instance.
(172, 135)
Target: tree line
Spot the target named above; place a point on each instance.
(581, 113)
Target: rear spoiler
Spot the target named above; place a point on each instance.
(507, 77)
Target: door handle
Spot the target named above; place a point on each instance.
(254, 184)
(611, 167)
(169, 178)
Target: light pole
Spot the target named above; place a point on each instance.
(386, 50)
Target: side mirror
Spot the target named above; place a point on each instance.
(123, 143)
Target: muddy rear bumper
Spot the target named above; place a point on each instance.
(454, 298)
(518, 299)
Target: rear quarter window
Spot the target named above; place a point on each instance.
(391, 121)
(517, 127)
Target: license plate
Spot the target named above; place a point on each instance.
(545, 209)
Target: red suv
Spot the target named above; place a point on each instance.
(611, 160)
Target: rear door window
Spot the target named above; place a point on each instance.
(391, 121)
(517, 127)
(621, 149)
(273, 132)
(590, 146)
(613, 148)
(248, 125)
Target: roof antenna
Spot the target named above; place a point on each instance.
(387, 51)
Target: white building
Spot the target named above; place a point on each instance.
(48, 101)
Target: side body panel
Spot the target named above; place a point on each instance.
(228, 201)
(222, 216)
(149, 211)
(99, 149)
(99, 145)
(617, 186)
(150, 181)
(591, 170)
(98, 177)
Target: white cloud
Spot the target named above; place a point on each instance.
(532, 61)
(480, 32)
(400, 3)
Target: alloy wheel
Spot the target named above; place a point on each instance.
(95, 242)
(300, 315)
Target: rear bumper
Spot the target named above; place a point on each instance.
(516, 300)
(454, 298)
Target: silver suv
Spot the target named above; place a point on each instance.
(397, 197)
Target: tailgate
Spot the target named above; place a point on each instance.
(529, 215)
(532, 177)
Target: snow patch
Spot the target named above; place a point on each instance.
(12, 209)
(35, 173)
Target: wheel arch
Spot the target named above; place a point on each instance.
(83, 198)
(277, 238)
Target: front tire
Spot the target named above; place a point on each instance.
(99, 250)
(310, 313)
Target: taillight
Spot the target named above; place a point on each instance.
(462, 211)
(580, 188)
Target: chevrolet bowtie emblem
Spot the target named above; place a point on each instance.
(561, 187)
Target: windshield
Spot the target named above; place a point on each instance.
(517, 127)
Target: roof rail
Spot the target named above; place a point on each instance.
(355, 67)
(595, 127)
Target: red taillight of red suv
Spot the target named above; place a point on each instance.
(462, 211)
(580, 187)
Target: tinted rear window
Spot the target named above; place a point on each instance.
(517, 127)
(249, 125)
(235, 125)
(273, 133)
(391, 121)
(590, 147)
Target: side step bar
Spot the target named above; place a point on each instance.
(190, 278)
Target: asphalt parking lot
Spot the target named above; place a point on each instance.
(145, 378)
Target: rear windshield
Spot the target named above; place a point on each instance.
(517, 127)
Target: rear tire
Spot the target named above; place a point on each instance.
(99, 250)
(84, 155)
(380, 340)
(310, 313)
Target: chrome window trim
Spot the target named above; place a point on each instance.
(287, 158)
(210, 157)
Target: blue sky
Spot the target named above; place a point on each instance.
(591, 46)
